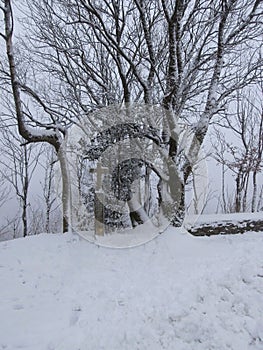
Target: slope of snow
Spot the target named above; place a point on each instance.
(177, 292)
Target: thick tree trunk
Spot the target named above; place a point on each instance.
(66, 189)
(137, 213)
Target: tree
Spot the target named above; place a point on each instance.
(190, 57)
(243, 156)
(18, 167)
(31, 129)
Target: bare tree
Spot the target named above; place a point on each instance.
(190, 57)
(10, 228)
(50, 127)
(18, 166)
(241, 149)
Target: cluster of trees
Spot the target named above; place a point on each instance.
(28, 206)
(197, 59)
(240, 152)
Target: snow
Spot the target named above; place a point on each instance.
(128, 238)
(211, 219)
(177, 292)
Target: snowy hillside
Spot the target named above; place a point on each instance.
(178, 292)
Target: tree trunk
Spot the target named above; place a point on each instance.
(25, 194)
(238, 195)
(137, 213)
(66, 190)
(254, 193)
(147, 191)
(223, 189)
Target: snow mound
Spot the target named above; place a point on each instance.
(177, 292)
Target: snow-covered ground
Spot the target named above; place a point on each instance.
(177, 292)
(234, 218)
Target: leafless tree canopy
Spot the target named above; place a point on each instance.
(78, 55)
(188, 55)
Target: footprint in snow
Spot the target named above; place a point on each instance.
(74, 316)
(18, 307)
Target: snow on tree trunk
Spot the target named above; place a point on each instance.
(66, 189)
